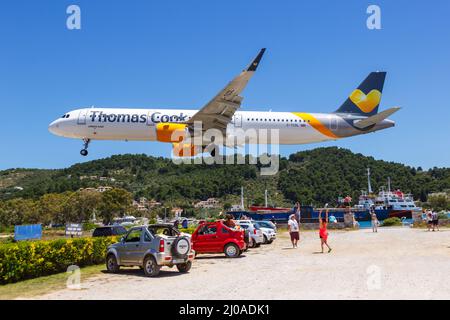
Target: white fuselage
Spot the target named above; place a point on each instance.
(141, 124)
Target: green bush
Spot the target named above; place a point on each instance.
(443, 216)
(392, 222)
(6, 229)
(32, 259)
(87, 226)
(188, 230)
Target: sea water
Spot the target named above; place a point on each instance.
(368, 224)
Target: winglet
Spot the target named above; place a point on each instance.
(255, 62)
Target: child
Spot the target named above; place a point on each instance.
(323, 233)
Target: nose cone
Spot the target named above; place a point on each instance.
(54, 127)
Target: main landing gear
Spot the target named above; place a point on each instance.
(84, 151)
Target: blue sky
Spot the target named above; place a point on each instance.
(175, 54)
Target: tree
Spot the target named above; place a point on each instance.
(114, 202)
(85, 204)
(439, 202)
(50, 207)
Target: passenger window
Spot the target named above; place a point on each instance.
(134, 236)
(224, 230)
(209, 230)
(212, 230)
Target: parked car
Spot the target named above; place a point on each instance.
(108, 231)
(215, 237)
(145, 248)
(267, 224)
(269, 234)
(256, 235)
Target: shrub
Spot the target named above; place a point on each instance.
(188, 230)
(394, 221)
(6, 229)
(31, 259)
(87, 226)
(443, 216)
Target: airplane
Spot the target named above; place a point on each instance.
(357, 115)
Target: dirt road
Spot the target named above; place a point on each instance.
(396, 263)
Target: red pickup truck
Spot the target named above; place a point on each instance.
(215, 237)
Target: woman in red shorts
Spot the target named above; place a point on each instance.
(323, 232)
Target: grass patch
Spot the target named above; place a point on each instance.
(42, 285)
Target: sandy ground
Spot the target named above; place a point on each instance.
(396, 263)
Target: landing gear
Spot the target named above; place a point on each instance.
(84, 151)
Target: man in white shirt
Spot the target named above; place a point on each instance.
(293, 229)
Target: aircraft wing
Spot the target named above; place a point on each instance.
(218, 112)
(364, 123)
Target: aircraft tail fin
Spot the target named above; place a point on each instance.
(365, 100)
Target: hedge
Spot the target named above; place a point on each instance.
(32, 259)
(188, 230)
(394, 221)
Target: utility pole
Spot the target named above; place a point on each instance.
(369, 186)
(242, 198)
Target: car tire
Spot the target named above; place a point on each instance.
(270, 241)
(151, 268)
(185, 267)
(111, 264)
(231, 251)
(266, 241)
(257, 245)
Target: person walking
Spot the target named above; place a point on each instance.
(429, 220)
(293, 229)
(323, 232)
(374, 220)
(435, 220)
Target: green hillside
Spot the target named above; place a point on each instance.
(315, 176)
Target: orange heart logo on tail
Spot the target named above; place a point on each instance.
(366, 102)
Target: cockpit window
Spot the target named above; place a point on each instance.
(65, 116)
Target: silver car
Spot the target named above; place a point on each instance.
(268, 233)
(256, 235)
(151, 248)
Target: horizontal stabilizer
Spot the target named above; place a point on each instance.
(370, 121)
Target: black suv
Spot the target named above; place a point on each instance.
(108, 231)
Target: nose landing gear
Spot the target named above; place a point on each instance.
(84, 151)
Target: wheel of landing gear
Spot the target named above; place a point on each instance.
(84, 152)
